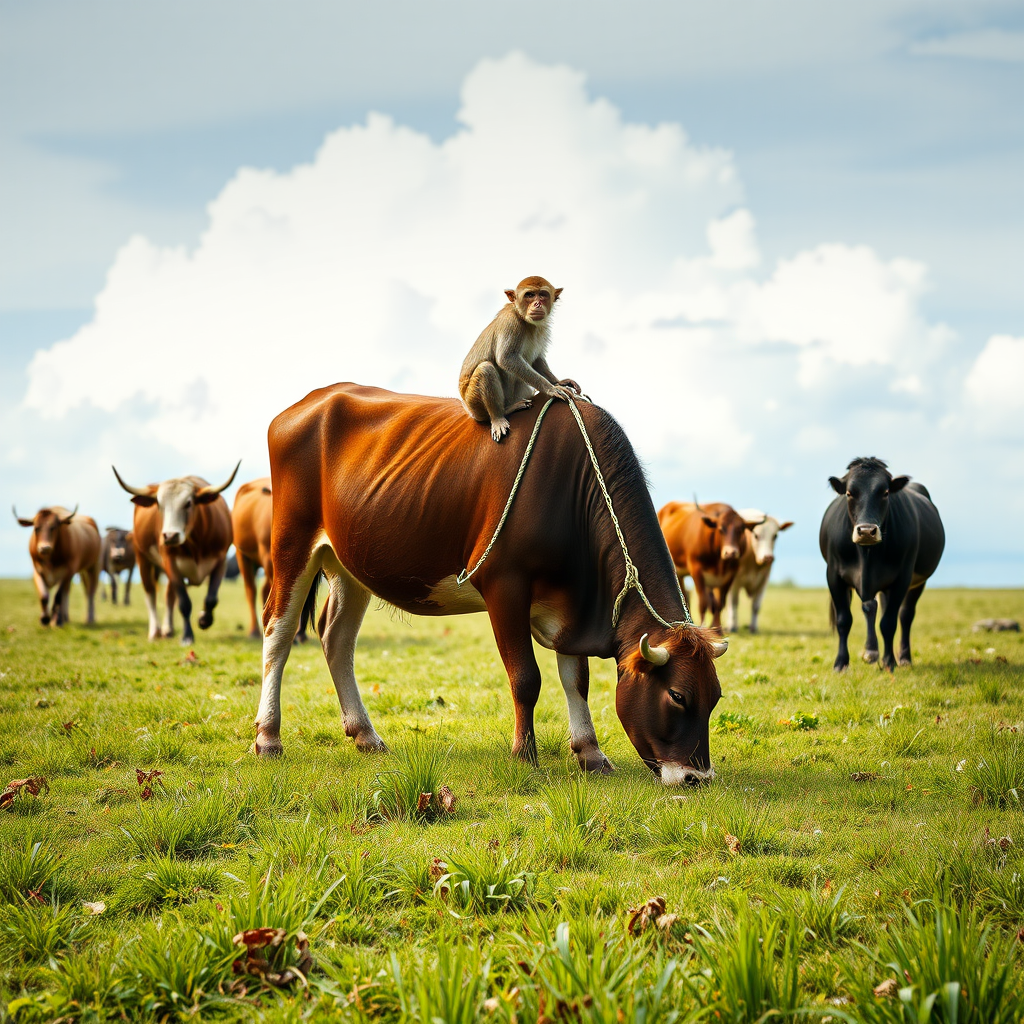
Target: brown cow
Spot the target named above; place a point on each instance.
(392, 495)
(183, 528)
(63, 543)
(706, 543)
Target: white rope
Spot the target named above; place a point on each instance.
(632, 580)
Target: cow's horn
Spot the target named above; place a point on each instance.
(141, 492)
(655, 655)
(760, 522)
(67, 519)
(719, 647)
(696, 502)
(227, 483)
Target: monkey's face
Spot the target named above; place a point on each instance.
(534, 298)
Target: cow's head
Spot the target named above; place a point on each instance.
(118, 542)
(866, 487)
(664, 699)
(730, 530)
(763, 532)
(45, 524)
(177, 499)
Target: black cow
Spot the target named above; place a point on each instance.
(881, 536)
(118, 554)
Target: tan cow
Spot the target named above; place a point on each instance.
(63, 543)
(251, 516)
(183, 528)
(755, 565)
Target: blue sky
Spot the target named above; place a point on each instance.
(863, 297)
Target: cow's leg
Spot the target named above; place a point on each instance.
(340, 620)
(755, 604)
(870, 608)
(62, 602)
(732, 617)
(574, 673)
(702, 592)
(841, 596)
(907, 612)
(185, 607)
(128, 589)
(113, 588)
(887, 624)
(170, 599)
(721, 595)
(44, 598)
(248, 572)
(280, 618)
(90, 581)
(212, 592)
(509, 612)
(147, 577)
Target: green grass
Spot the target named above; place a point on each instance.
(863, 829)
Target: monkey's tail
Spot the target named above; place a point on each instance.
(308, 617)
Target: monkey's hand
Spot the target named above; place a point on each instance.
(559, 391)
(499, 428)
(570, 383)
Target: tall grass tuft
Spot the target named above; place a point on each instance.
(163, 881)
(752, 964)
(995, 776)
(188, 825)
(479, 882)
(30, 871)
(825, 915)
(452, 991)
(946, 964)
(33, 933)
(419, 769)
(574, 821)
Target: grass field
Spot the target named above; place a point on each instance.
(864, 832)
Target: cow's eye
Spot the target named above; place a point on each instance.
(677, 697)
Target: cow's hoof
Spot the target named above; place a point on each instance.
(841, 666)
(44, 620)
(268, 746)
(370, 744)
(187, 640)
(593, 760)
(905, 661)
(206, 620)
(870, 657)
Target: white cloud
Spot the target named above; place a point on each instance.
(994, 44)
(995, 386)
(381, 259)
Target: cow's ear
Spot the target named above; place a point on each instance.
(144, 500)
(25, 522)
(837, 485)
(898, 483)
(786, 525)
(205, 497)
(711, 524)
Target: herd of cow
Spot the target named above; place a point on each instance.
(395, 495)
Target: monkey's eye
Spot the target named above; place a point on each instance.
(677, 697)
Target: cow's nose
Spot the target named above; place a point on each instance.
(867, 533)
(172, 539)
(767, 559)
(45, 549)
(729, 553)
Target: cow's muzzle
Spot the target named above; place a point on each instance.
(173, 540)
(685, 775)
(766, 560)
(730, 554)
(867, 534)
(44, 550)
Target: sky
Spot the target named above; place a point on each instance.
(788, 235)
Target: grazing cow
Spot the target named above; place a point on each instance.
(118, 555)
(755, 565)
(251, 517)
(392, 495)
(183, 528)
(881, 536)
(706, 543)
(63, 543)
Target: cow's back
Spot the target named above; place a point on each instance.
(251, 518)
(931, 534)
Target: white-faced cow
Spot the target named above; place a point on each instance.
(118, 556)
(755, 565)
(881, 537)
(63, 543)
(394, 495)
(183, 528)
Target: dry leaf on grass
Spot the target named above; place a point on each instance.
(732, 844)
(437, 868)
(888, 989)
(863, 776)
(650, 913)
(253, 965)
(446, 798)
(33, 785)
(423, 802)
(95, 908)
(146, 780)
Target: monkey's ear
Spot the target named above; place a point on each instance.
(510, 295)
(558, 291)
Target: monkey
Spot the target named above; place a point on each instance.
(507, 362)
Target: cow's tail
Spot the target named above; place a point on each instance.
(308, 618)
